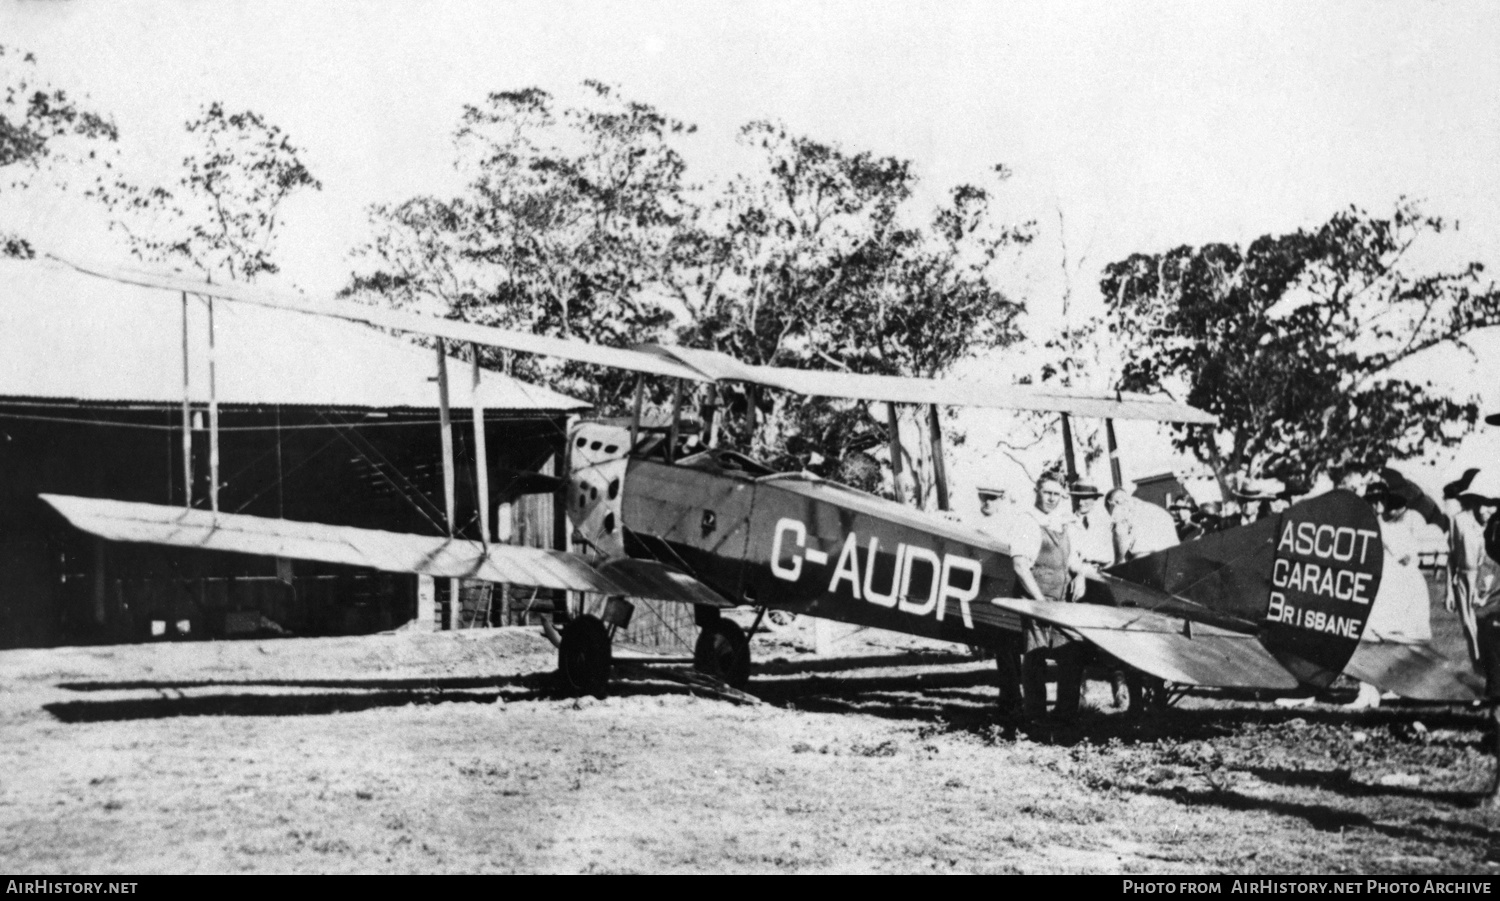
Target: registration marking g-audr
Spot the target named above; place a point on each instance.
(789, 551)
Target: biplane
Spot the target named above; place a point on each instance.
(1279, 604)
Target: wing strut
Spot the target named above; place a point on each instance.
(1070, 461)
(446, 426)
(893, 437)
(1114, 454)
(939, 467)
(635, 414)
(481, 455)
(676, 415)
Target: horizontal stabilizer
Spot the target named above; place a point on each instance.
(439, 557)
(1416, 671)
(1160, 645)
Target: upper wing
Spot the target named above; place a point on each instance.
(387, 551)
(686, 363)
(947, 392)
(581, 351)
(1160, 644)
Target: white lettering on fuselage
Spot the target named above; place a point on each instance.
(789, 551)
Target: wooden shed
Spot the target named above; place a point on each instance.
(318, 420)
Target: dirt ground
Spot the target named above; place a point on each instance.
(452, 753)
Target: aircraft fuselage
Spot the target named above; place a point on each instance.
(791, 541)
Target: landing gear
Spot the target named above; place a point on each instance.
(723, 652)
(776, 620)
(584, 657)
(1146, 693)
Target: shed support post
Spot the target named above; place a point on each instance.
(100, 584)
(213, 417)
(187, 415)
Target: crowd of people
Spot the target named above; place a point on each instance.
(1071, 532)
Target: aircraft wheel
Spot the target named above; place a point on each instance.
(584, 658)
(1147, 693)
(776, 620)
(723, 652)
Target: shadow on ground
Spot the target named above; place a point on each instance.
(346, 696)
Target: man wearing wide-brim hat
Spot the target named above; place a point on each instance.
(1184, 514)
(1084, 488)
(1381, 493)
(1257, 495)
(1096, 542)
(1248, 489)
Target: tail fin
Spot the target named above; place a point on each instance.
(1302, 581)
(1324, 579)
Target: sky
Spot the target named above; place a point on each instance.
(1130, 126)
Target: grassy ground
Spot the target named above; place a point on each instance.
(452, 753)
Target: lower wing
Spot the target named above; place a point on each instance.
(386, 551)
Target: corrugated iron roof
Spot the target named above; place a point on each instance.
(69, 336)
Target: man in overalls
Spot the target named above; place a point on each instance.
(1000, 519)
(1050, 567)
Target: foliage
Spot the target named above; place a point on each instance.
(1295, 342)
(222, 215)
(37, 122)
(811, 261)
(579, 221)
(563, 228)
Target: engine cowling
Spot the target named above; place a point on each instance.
(597, 461)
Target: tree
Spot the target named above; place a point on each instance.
(1080, 353)
(1296, 342)
(578, 221)
(815, 261)
(223, 214)
(37, 125)
(564, 227)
